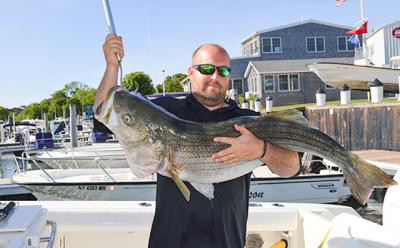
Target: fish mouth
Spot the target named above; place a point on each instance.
(103, 111)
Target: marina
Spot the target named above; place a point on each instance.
(84, 156)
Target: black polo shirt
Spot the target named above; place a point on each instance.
(201, 222)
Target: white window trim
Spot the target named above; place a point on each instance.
(289, 85)
(270, 40)
(315, 44)
(347, 44)
(273, 82)
(241, 79)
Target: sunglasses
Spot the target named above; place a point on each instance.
(208, 69)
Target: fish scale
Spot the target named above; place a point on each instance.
(149, 134)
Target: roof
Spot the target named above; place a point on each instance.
(295, 24)
(289, 66)
(388, 25)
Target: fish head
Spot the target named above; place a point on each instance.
(121, 112)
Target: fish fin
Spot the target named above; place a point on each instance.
(181, 186)
(365, 178)
(207, 189)
(290, 115)
(173, 170)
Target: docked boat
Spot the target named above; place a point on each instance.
(112, 154)
(101, 182)
(357, 77)
(72, 224)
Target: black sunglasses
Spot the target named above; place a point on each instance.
(208, 69)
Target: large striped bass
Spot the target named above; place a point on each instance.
(156, 141)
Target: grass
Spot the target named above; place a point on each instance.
(330, 103)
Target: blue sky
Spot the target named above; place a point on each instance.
(46, 44)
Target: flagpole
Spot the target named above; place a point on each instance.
(362, 10)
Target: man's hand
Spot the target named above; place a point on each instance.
(112, 46)
(245, 147)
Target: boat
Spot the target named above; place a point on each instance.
(357, 77)
(58, 224)
(102, 182)
(80, 157)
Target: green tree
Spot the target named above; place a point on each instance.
(4, 113)
(132, 80)
(172, 83)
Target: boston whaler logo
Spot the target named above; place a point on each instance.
(396, 32)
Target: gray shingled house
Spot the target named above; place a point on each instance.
(273, 61)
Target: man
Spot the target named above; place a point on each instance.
(201, 222)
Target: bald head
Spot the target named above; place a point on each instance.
(209, 48)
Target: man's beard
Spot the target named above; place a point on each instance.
(209, 101)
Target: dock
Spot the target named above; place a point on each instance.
(389, 161)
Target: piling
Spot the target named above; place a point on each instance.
(345, 95)
(320, 97)
(72, 125)
(376, 88)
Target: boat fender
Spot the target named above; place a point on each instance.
(254, 240)
(280, 244)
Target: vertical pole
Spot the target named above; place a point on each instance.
(1, 134)
(46, 123)
(14, 128)
(72, 126)
(398, 98)
(163, 83)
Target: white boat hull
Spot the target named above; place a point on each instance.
(355, 76)
(93, 184)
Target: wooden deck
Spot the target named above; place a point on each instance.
(389, 161)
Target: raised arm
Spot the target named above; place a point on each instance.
(112, 46)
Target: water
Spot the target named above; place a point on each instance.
(372, 212)
(7, 165)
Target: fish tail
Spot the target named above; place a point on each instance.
(181, 186)
(365, 178)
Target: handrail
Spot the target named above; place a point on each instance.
(52, 236)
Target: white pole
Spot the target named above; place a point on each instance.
(1, 133)
(362, 9)
(163, 83)
(399, 91)
(14, 129)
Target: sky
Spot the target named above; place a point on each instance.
(45, 44)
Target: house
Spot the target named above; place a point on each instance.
(273, 61)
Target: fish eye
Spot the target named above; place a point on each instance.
(127, 118)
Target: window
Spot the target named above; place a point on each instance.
(289, 82)
(315, 44)
(253, 47)
(344, 45)
(271, 45)
(237, 84)
(254, 86)
(269, 83)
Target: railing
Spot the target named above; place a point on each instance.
(29, 159)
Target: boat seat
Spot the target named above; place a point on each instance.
(355, 232)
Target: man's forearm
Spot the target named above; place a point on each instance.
(109, 80)
(284, 163)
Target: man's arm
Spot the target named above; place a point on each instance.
(282, 162)
(111, 46)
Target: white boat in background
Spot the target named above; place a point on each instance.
(101, 182)
(111, 153)
(79, 224)
(356, 77)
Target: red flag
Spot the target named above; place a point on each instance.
(339, 2)
(360, 30)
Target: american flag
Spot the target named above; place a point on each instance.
(339, 2)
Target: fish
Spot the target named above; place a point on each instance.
(156, 141)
